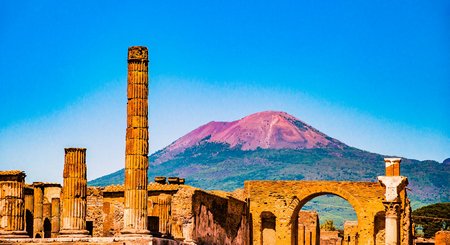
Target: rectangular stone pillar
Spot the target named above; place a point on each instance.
(55, 216)
(301, 234)
(12, 205)
(136, 151)
(74, 194)
(29, 209)
(38, 225)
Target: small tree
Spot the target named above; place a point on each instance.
(328, 225)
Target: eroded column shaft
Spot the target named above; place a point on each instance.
(136, 151)
(55, 216)
(12, 205)
(164, 212)
(74, 193)
(38, 209)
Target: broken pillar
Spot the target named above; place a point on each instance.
(394, 184)
(29, 209)
(55, 216)
(12, 204)
(74, 194)
(392, 166)
(38, 225)
(164, 214)
(136, 149)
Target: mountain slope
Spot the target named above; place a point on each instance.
(275, 145)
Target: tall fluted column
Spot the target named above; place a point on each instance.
(12, 205)
(38, 209)
(74, 194)
(55, 216)
(136, 152)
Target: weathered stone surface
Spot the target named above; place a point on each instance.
(285, 198)
(12, 204)
(73, 216)
(442, 238)
(136, 146)
(330, 238)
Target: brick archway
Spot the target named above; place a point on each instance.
(285, 198)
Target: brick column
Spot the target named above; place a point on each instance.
(12, 205)
(136, 151)
(38, 209)
(55, 216)
(74, 194)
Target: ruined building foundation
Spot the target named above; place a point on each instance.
(74, 194)
(136, 149)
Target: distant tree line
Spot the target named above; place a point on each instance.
(431, 219)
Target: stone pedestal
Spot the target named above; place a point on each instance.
(12, 205)
(74, 194)
(136, 151)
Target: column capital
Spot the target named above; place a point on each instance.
(393, 184)
(392, 209)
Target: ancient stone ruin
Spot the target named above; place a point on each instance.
(167, 211)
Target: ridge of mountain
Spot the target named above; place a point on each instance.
(222, 155)
(265, 130)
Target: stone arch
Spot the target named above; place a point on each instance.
(286, 198)
(293, 221)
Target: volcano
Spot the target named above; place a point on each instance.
(273, 145)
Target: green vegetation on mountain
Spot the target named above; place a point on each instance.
(217, 166)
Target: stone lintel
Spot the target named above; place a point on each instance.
(12, 175)
(393, 184)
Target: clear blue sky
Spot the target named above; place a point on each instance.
(373, 74)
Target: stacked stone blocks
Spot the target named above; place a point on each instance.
(74, 193)
(136, 151)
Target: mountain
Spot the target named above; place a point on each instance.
(275, 145)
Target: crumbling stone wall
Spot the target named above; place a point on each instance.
(219, 220)
(95, 212)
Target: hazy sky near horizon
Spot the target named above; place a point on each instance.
(373, 74)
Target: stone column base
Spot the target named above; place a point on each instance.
(135, 233)
(13, 234)
(74, 233)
